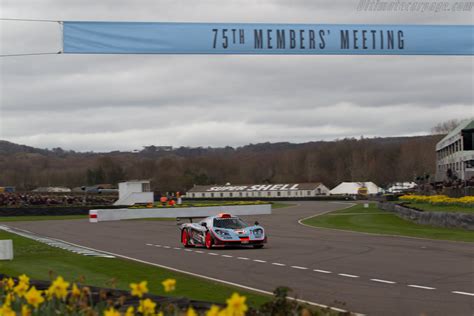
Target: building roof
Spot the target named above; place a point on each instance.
(452, 136)
(255, 187)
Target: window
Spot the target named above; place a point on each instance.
(278, 193)
(222, 194)
(468, 139)
(319, 190)
(269, 193)
(212, 194)
(203, 194)
(259, 193)
(230, 194)
(145, 187)
(240, 194)
(308, 193)
(193, 194)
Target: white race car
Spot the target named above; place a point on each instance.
(222, 230)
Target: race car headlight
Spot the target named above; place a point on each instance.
(257, 232)
(222, 233)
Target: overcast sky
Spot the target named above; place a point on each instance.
(124, 102)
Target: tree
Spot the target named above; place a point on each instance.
(445, 127)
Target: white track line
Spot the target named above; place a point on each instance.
(198, 251)
(159, 246)
(188, 250)
(243, 258)
(462, 293)
(348, 275)
(261, 261)
(176, 248)
(321, 271)
(149, 244)
(207, 277)
(227, 256)
(167, 247)
(278, 264)
(421, 287)
(212, 254)
(300, 268)
(383, 281)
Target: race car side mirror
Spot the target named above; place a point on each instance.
(256, 223)
(204, 224)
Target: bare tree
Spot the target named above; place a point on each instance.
(445, 127)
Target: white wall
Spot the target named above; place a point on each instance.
(125, 213)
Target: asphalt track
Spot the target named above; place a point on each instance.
(371, 274)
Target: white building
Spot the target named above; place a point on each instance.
(258, 191)
(356, 188)
(134, 192)
(455, 153)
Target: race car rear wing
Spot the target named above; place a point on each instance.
(190, 218)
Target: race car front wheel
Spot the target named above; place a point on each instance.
(209, 241)
(185, 238)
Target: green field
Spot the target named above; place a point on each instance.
(43, 262)
(40, 218)
(440, 208)
(373, 220)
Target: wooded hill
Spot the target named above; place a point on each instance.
(381, 160)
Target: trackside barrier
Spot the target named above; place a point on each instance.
(137, 213)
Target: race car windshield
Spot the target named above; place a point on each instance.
(231, 223)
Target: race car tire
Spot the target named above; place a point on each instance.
(185, 238)
(258, 246)
(209, 241)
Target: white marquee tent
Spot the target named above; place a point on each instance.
(352, 188)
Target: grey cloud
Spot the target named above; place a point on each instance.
(124, 102)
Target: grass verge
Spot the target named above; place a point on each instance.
(40, 218)
(43, 262)
(440, 208)
(372, 220)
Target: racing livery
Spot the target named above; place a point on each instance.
(222, 230)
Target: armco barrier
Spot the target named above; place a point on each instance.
(173, 212)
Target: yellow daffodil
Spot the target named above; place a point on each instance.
(169, 285)
(138, 289)
(8, 284)
(75, 292)
(20, 289)
(130, 311)
(9, 298)
(25, 310)
(5, 310)
(111, 312)
(213, 311)
(191, 312)
(33, 297)
(24, 279)
(59, 288)
(147, 307)
(236, 305)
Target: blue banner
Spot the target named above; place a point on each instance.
(262, 39)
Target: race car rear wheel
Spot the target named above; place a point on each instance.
(209, 241)
(185, 238)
